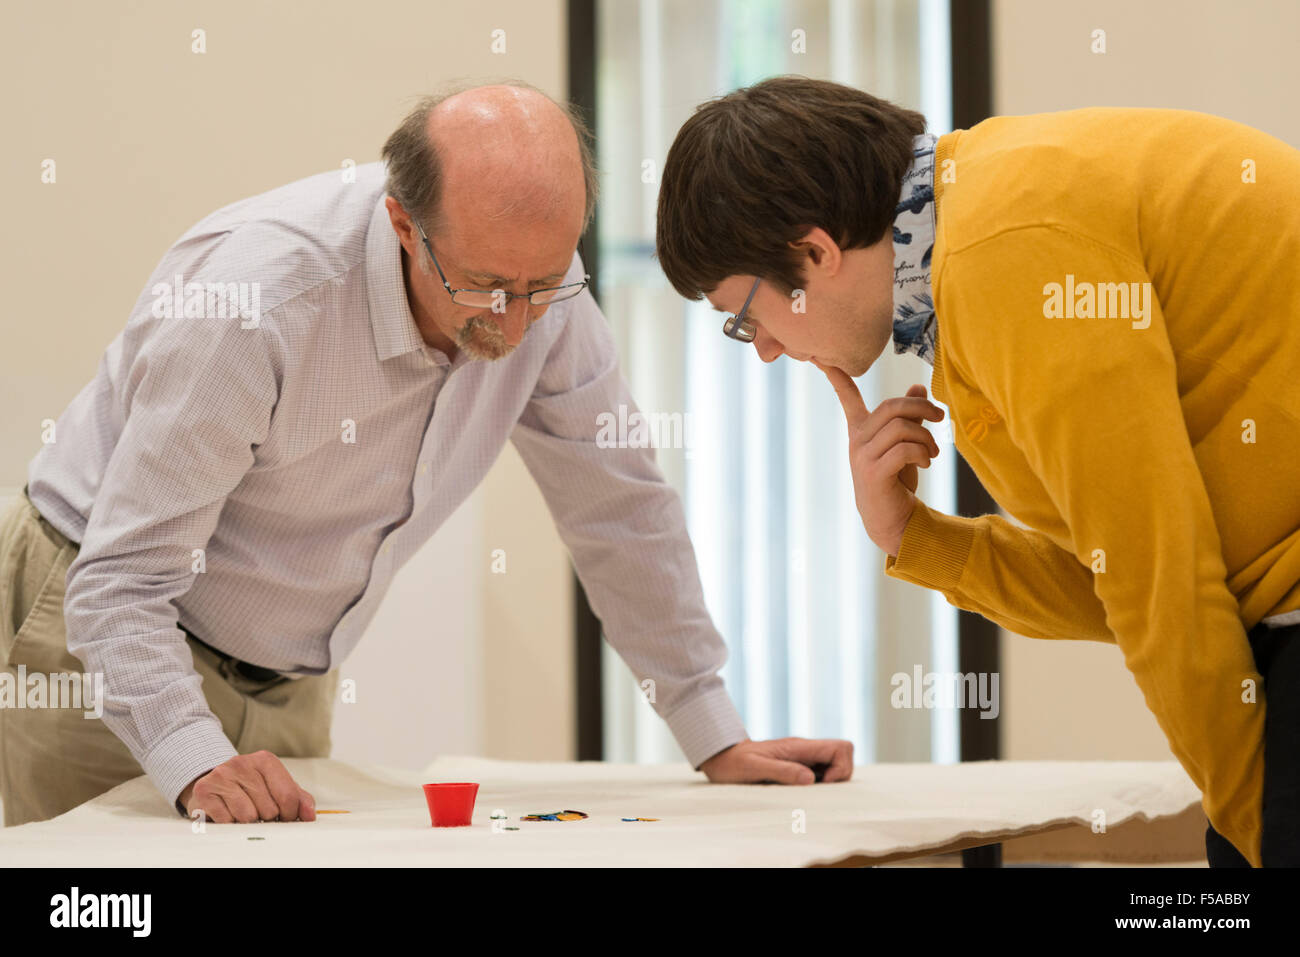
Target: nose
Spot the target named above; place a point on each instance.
(769, 350)
(516, 320)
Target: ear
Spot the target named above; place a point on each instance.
(403, 225)
(824, 254)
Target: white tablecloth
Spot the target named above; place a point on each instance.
(884, 809)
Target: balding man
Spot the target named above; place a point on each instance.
(312, 381)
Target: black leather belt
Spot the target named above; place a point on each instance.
(251, 672)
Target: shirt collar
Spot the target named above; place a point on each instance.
(915, 328)
(390, 313)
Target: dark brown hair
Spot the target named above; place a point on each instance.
(754, 170)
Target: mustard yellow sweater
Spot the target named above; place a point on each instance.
(1117, 294)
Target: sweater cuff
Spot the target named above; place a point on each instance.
(187, 753)
(706, 724)
(934, 549)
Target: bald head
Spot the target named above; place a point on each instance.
(505, 153)
(509, 155)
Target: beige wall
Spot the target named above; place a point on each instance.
(1076, 700)
(148, 138)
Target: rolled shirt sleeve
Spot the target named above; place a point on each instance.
(625, 528)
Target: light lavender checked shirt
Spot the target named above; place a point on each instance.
(230, 435)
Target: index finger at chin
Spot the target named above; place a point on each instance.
(847, 392)
(834, 373)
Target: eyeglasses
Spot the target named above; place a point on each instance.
(737, 326)
(497, 298)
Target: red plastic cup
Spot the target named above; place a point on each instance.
(450, 805)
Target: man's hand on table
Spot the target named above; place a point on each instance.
(249, 788)
(781, 761)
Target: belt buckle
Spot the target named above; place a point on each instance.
(254, 672)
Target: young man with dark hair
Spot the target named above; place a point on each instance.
(1109, 299)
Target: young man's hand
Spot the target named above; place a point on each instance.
(885, 448)
(249, 788)
(781, 761)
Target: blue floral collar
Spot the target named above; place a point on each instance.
(915, 327)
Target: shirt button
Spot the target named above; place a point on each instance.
(424, 467)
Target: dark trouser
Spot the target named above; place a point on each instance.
(1277, 656)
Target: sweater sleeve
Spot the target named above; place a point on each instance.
(1017, 577)
(1094, 406)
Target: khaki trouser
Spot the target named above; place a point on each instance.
(53, 759)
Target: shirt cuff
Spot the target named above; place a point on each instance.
(185, 754)
(706, 724)
(933, 550)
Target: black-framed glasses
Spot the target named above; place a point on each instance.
(737, 326)
(497, 298)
